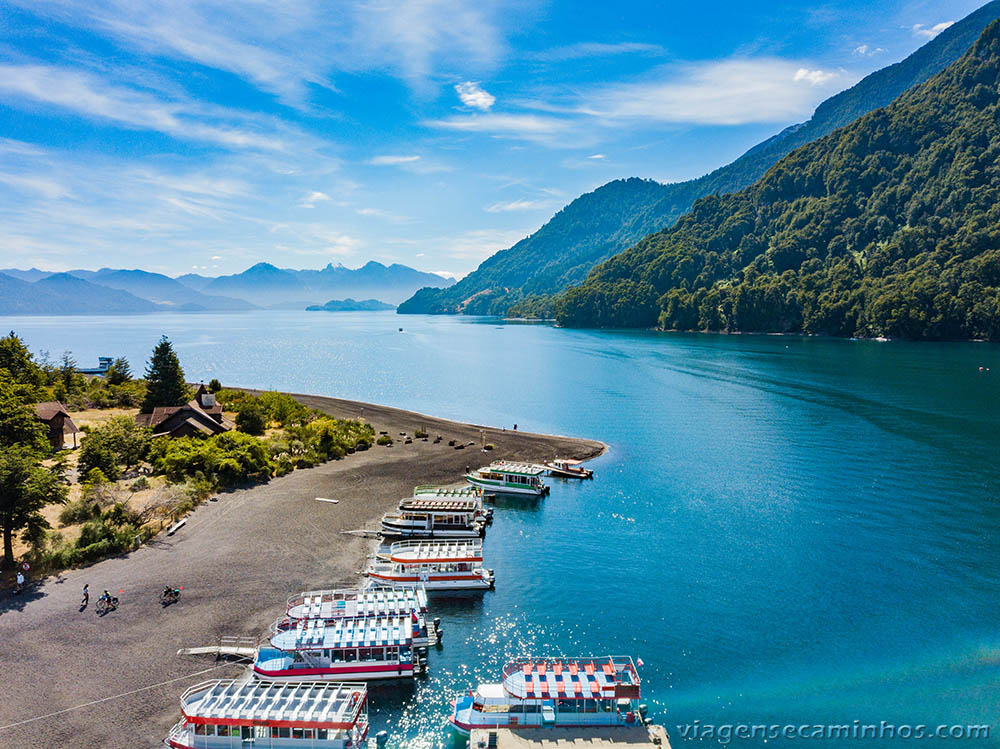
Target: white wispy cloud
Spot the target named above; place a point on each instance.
(88, 95)
(723, 92)
(526, 126)
(596, 156)
(814, 77)
(393, 160)
(314, 197)
(473, 95)
(285, 46)
(929, 32)
(865, 50)
(596, 49)
(518, 205)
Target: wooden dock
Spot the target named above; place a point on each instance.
(638, 737)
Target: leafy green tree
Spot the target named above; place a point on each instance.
(18, 361)
(119, 372)
(67, 370)
(25, 488)
(251, 418)
(18, 423)
(118, 443)
(214, 385)
(165, 384)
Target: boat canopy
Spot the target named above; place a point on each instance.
(355, 632)
(567, 462)
(425, 552)
(606, 677)
(521, 469)
(379, 601)
(441, 504)
(429, 490)
(305, 704)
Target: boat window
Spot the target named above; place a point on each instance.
(297, 733)
(567, 705)
(200, 729)
(321, 734)
(284, 733)
(246, 732)
(365, 654)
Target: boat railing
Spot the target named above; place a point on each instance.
(621, 663)
(177, 733)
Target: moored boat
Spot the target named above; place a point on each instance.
(220, 714)
(436, 565)
(350, 648)
(330, 605)
(436, 517)
(555, 692)
(504, 477)
(568, 469)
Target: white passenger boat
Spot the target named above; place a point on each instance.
(351, 648)
(436, 517)
(504, 477)
(436, 565)
(330, 605)
(554, 692)
(568, 469)
(222, 714)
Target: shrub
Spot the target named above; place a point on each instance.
(118, 443)
(79, 511)
(214, 386)
(223, 460)
(230, 399)
(420, 433)
(251, 418)
(385, 439)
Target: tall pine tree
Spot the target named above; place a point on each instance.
(164, 378)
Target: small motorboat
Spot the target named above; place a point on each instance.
(568, 469)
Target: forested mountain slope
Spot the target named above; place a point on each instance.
(614, 216)
(889, 226)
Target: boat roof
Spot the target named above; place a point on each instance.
(334, 604)
(430, 550)
(447, 491)
(439, 504)
(326, 704)
(525, 469)
(605, 677)
(352, 632)
(567, 461)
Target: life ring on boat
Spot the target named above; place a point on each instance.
(355, 696)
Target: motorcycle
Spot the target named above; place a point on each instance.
(169, 596)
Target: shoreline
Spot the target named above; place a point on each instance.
(238, 559)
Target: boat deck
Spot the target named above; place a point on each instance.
(418, 552)
(637, 737)
(327, 704)
(316, 634)
(335, 604)
(439, 504)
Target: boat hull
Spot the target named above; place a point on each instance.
(452, 582)
(403, 531)
(371, 672)
(499, 488)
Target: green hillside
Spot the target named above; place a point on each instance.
(613, 217)
(889, 226)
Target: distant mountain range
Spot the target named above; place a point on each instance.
(615, 216)
(350, 305)
(116, 291)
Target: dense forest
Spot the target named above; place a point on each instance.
(889, 226)
(520, 281)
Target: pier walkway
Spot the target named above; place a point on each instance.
(640, 737)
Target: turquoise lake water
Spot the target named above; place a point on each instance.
(785, 530)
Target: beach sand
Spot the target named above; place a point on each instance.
(237, 559)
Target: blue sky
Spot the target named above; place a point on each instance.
(207, 136)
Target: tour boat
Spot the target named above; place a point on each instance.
(436, 517)
(436, 565)
(330, 605)
(542, 692)
(503, 477)
(568, 469)
(457, 492)
(362, 648)
(221, 714)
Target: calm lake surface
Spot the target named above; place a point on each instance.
(785, 530)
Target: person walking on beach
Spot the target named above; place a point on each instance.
(20, 582)
(86, 596)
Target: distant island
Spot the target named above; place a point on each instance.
(350, 305)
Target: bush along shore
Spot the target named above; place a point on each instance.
(65, 507)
